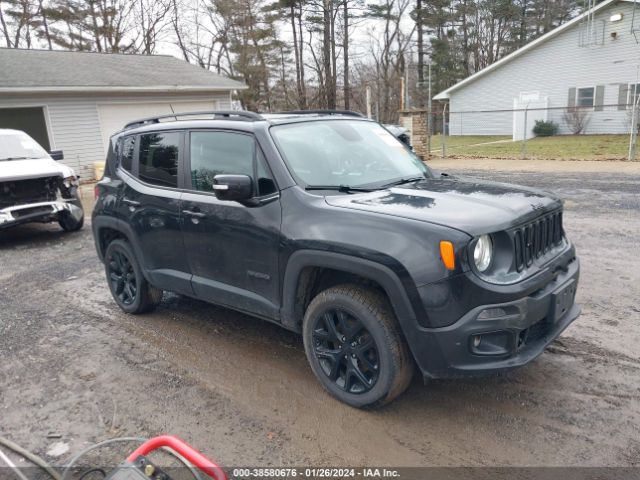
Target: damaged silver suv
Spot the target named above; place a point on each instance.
(34, 187)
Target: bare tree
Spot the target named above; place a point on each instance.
(153, 18)
(18, 22)
(576, 119)
(388, 48)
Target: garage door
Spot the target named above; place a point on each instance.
(30, 120)
(114, 116)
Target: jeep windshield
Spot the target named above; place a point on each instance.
(19, 146)
(346, 155)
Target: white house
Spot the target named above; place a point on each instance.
(592, 61)
(74, 101)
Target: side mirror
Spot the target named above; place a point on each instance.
(56, 155)
(233, 187)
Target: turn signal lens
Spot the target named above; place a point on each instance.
(448, 255)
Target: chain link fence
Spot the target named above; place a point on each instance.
(603, 132)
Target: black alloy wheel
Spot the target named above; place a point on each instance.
(122, 276)
(346, 351)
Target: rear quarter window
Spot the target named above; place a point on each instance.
(126, 153)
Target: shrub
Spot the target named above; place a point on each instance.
(577, 119)
(545, 129)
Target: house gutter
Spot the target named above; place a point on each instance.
(106, 89)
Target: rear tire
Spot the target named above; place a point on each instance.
(363, 359)
(129, 288)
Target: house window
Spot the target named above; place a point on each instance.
(634, 93)
(585, 97)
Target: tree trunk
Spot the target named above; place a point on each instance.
(326, 54)
(45, 25)
(296, 54)
(96, 30)
(346, 54)
(5, 30)
(303, 100)
(334, 59)
(419, 28)
(465, 40)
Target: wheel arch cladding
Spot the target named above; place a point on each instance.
(296, 284)
(108, 228)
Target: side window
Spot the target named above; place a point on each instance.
(126, 153)
(219, 153)
(266, 184)
(158, 162)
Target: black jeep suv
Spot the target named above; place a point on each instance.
(329, 226)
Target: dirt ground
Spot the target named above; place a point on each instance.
(240, 389)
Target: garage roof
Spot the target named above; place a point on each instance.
(27, 71)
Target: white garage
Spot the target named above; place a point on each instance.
(114, 115)
(74, 101)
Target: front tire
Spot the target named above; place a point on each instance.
(68, 223)
(355, 347)
(129, 288)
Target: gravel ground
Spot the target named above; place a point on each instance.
(241, 391)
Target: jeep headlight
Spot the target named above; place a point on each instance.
(483, 253)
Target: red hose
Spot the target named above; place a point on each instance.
(187, 451)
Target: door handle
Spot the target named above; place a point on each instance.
(191, 213)
(133, 203)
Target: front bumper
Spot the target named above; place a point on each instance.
(505, 333)
(38, 212)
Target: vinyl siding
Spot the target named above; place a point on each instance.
(552, 68)
(74, 125)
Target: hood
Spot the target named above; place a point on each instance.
(32, 168)
(470, 205)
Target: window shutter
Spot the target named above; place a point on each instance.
(572, 98)
(599, 100)
(623, 96)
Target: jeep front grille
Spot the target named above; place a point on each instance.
(536, 238)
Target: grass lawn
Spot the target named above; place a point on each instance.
(560, 147)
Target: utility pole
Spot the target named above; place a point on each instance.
(429, 129)
(407, 98)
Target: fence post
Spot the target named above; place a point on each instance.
(523, 150)
(634, 130)
(428, 134)
(444, 131)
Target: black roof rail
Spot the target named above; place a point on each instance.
(216, 115)
(349, 113)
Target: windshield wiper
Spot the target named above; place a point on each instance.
(14, 158)
(403, 181)
(339, 188)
